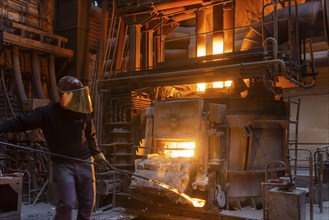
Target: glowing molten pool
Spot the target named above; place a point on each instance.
(195, 201)
(180, 149)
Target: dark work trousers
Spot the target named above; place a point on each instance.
(75, 185)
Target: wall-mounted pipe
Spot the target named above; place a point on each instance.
(274, 54)
(308, 16)
(52, 78)
(36, 73)
(18, 74)
(243, 69)
(205, 74)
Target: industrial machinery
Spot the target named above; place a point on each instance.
(187, 93)
(196, 91)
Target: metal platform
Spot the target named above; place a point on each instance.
(35, 39)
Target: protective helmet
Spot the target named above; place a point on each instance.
(73, 95)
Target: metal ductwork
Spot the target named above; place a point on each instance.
(76, 28)
(311, 17)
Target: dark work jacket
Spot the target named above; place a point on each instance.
(67, 133)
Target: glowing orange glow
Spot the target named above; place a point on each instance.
(228, 83)
(218, 45)
(201, 87)
(218, 84)
(180, 152)
(195, 201)
(201, 51)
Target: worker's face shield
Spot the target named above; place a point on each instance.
(77, 100)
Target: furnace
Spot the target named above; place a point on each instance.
(234, 139)
(204, 106)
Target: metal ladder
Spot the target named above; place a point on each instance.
(294, 141)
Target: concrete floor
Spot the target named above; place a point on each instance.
(44, 211)
(316, 212)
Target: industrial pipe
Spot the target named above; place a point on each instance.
(36, 79)
(52, 78)
(195, 74)
(18, 74)
(274, 54)
(310, 18)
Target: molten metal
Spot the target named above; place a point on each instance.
(195, 201)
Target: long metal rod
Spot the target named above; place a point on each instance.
(207, 73)
(173, 189)
(320, 188)
(310, 189)
(45, 152)
(81, 160)
(74, 158)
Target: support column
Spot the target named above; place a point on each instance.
(218, 34)
(228, 31)
(102, 40)
(159, 48)
(147, 50)
(73, 23)
(121, 44)
(134, 47)
(201, 29)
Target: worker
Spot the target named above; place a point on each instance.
(69, 131)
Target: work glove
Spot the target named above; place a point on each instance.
(101, 162)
